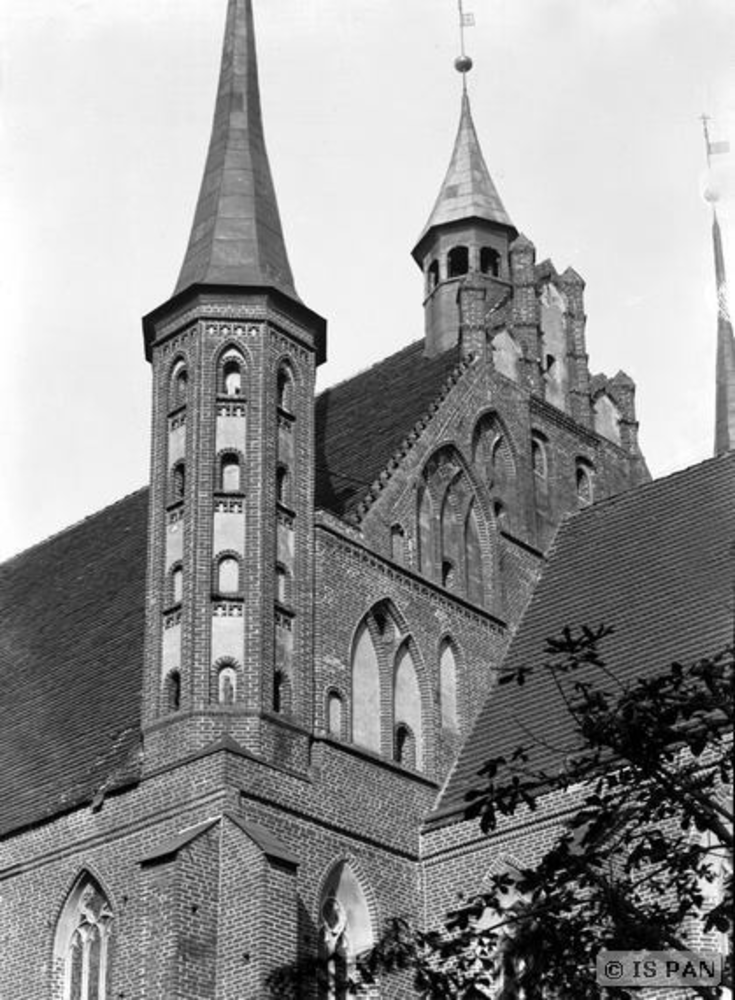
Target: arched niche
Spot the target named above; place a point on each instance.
(448, 688)
(345, 928)
(365, 691)
(407, 706)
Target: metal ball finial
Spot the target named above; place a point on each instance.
(463, 64)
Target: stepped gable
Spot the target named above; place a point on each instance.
(656, 564)
(71, 657)
(362, 422)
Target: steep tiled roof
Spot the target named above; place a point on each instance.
(71, 654)
(360, 423)
(657, 564)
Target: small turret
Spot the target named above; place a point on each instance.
(468, 231)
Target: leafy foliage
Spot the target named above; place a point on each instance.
(651, 830)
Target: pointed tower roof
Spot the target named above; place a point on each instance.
(236, 237)
(725, 385)
(468, 190)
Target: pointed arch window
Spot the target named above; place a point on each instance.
(458, 261)
(345, 930)
(365, 691)
(179, 385)
(539, 458)
(583, 473)
(83, 941)
(232, 377)
(285, 388)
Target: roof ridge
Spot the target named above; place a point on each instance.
(71, 527)
(369, 368)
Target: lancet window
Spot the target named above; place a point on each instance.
(83, 941)
(450, 528)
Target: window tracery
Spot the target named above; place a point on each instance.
(83, 941)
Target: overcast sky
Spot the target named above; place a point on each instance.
(588, 115)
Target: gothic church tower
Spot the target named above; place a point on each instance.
(234, 353)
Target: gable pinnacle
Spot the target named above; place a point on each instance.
(236, 236)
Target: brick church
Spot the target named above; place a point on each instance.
(239, 717)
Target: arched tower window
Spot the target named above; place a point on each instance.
(458, 261)
(230, 480)
(177, 584)
(227, 685)
(283, 584)
(83, 941)
(231, 375)
(228, 575)
(345, 929)
(282, 484)
(178, 482)
(432, 276)
(179, 385)
(489, 261)
(285, 389)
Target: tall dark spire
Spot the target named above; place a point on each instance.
(236, 237)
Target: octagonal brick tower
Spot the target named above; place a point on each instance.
(234, 353)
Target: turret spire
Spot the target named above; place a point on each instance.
(468, 191)
(236, 237)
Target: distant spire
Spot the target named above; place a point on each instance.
(236, 237)
(725, 385)
(468, 190)
(725, 371)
